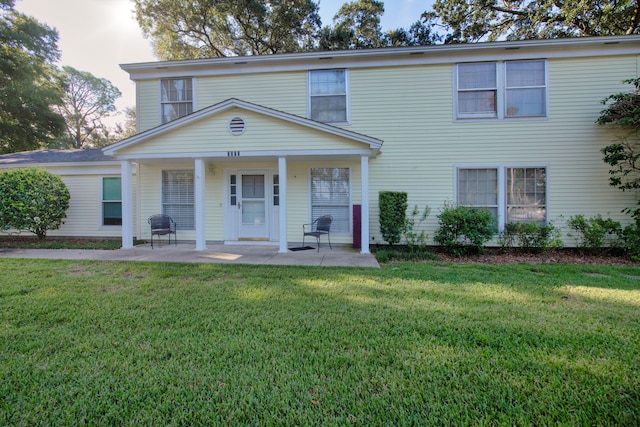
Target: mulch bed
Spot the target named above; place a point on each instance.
(559, 256)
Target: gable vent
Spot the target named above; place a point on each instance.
(237, 126)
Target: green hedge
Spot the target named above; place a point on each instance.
(393, 215)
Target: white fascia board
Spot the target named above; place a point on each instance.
(115, 164)
(374, 143)
(420, 55)
(248, 154)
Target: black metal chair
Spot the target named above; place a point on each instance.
(162, 225)
(321, 226)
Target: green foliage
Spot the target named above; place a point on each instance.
(596, 233)
(530, 236)
(631, 237)
(205, 29)
(472, 20)
(463, 228)
(360, 20)
(357, 26)
(28, 50)
(416, 240)
(623, 108)
(393, 215)
(623, 156)
(88, 100)
(33, 200)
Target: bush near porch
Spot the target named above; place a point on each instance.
(104, 343)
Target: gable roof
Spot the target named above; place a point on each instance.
(89, 155)
(373, 143)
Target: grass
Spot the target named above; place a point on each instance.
(102, 343)
(31, 242)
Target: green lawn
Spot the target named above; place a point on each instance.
(99, 343)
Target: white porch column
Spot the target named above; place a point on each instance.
(201, 240)
(282, 174)
(127, 204)
(364, 170)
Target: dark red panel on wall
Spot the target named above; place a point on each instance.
(357, 226)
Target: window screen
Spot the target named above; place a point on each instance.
(330, 195)
(328, 95)
(178, 198)
(177, 98)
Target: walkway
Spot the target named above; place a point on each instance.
(215, 253)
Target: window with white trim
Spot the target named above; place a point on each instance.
(176, 98)
(478, 188)
(111, 201)
(510, 89)
(328, 96)
(331, 195)
(526, 194)
(521, 198)
(178, 197)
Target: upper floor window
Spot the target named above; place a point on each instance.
(328, 96)
(501, 89)
(176, 98)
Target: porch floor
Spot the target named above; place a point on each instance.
(339, 256)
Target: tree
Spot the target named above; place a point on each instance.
(28, 50)
(420, 33)
(472, 20)
(205, 28)
(357, 26)
(623, 156)
(107, 136)
(33, 200)
(128, 128)
(88, 100)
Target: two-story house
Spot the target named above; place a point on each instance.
(247, 149)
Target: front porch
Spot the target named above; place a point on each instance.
(260, 184)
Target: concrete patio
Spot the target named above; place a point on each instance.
(339, 256)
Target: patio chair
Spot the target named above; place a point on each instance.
(162, 225)
(321, 226)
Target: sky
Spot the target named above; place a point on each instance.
(99, 35)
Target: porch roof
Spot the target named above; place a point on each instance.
(211, 123)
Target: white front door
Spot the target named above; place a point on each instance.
(252, 206)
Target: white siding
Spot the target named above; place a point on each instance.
(84, 216)
(262, 134)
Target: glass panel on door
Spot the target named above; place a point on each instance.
(253, 200)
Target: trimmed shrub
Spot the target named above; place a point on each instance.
(631, 238)
(33, 200)
(596, 233)
(462, 228)
(530, 236)
(393, 215)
